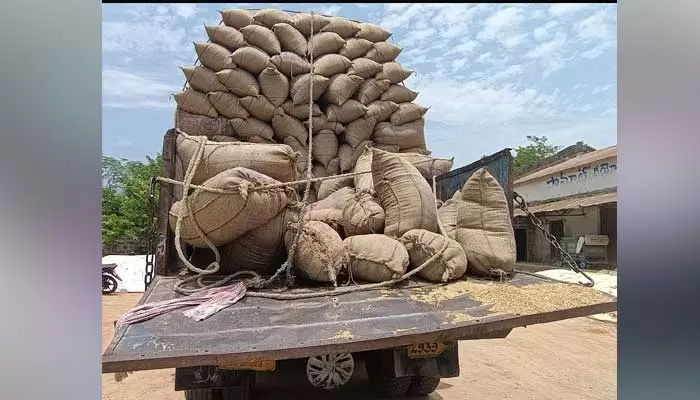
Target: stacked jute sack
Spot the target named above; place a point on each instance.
(251, 99)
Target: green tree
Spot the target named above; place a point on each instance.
(124, 197)
(528, 156)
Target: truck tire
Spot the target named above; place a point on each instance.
(202, 394)
(423, 385)
(384, 385)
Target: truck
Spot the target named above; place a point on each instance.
(407, 336)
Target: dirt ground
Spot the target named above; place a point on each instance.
(572, 359)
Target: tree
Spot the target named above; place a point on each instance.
(124, 197)
(528, 156)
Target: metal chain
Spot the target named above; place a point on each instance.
(566, 257)
(150, 251)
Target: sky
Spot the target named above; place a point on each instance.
(490, 73)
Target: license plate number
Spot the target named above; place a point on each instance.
(427, 349)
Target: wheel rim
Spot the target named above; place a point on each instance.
(109, 285)
(330, 371)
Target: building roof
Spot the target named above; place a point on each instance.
(575, 162)
(570, 204)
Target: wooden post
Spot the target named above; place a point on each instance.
(164, 236)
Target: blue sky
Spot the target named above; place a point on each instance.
(491, 73)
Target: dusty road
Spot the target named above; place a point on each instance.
(573, 359)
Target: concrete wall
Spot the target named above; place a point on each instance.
(574, 226)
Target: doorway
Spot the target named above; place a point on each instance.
(608, 227)
(556, 228)
(521, 244)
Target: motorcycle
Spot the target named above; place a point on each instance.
(109, 278)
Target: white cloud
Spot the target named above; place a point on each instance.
(598, 50)
(502, 20)
(545, 31)
(185, 10)
(332, 10)
(512, 41)
(121, 89)
(547, 49)
(598, 26)
(566, 9)
(505, 74)
(600, 89)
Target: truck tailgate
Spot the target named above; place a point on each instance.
(265, 329)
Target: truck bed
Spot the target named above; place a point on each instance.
(265, 329)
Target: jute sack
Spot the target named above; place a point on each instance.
(236, 18)
(387, 147)
(195, 102)
(302, 158)
(290, 64)
(290, 39)
(239, 81)
(260, 140)
(333, 167)
(394, 72)
(372, 32)
(269, 17)
(484, 227)
(303, 23)
(364, 68)
(407, 112)
(330, 186)
(313, 196)
(331, 64)
(407, 135)
(371, 90)
(321, 123)
(226, 36)
(274, 85)
(225, 217)
(348, 112)
(319, 254)
(342, 26)
(284, 125)
(259, 107)
(359, 130)
(417, 150)
(318, 171)
(348, 155)
(422, 244)
(399, 94)
(325, 43)
(428, 166)
(335, 200)
(363, 215)
(221, 138)
(375, 258)
(251, 127)
(341, 88)
(203, 79)
(227, 104)
(355, 48)
(325, 147)
(383, 52)
(381, 110)
(201, 125)
(262, 38)
(250, 59)
(363, 182)
(214, 56)
(329, 216)
(448, 214)
(300, 89)
(300, 111)
(274, 160)
(404, 194)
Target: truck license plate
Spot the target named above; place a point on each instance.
(253, 365)
(427, 349)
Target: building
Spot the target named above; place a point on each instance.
(576, 197)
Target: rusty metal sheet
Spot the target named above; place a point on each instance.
(260, 329)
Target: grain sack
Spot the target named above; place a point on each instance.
(274, 85)
(388, 148)
(301, 90)
(348, 155)
(290, 39)
(262, 38)
(448, 214)
(428, 166)
(201, 125)
(399, 94)
(318, 171)
(195, 102)
(405, 196)
(330, 186)
(203, 79)
(407, 112)
(312, 197)
(484, 227)
(319, 254)
(342, 26)
(239, 81)
(371, 90)
(325, 147)
(394, 72)
(403, 136)
(260, 140)
(325, 43)
(375, 258)
(250, 59)
(417, 150)
(330, 217)
(331, 64)
(383, 52)
(341, 88)
(321, 123)
(364, 68)
(225, 217)
(214, 56)
(302, 158)
(421, 245)
(259, 107)
(333, 167)
(274, 160)
(236, 18)
(290, 64)
(335, 200)
(285, 125)
(251, 127)
(359, 130)
(363, 182)
(221, 138)
(355, 48)
(301, 111)
(303, 23)
(363, 215)
(372, 32)
(269, 17)
(226, 36)
(349, 111)
(227, 105)
(381, 110)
